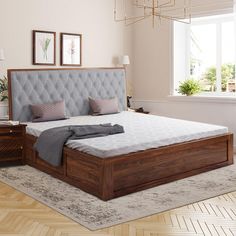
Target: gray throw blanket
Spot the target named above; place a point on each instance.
(50, 143)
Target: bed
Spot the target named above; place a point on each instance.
(146, 155)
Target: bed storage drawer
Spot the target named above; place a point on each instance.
(167, 163)
(78, 169)
(44, 165)
(84, 170)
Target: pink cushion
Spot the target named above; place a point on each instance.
(48, 111)
(104, 106)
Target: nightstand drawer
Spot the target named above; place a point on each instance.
(11, 149)
(11, 131)
(11, 144)
(11, 154)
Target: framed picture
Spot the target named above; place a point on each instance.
(44, 44)
(71, 49)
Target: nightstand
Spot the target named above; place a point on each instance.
(12, 144)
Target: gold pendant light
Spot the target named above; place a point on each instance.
(156, 9)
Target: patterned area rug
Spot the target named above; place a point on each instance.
(95, 214)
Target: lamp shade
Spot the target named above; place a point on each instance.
(125, 60)
(2, 57)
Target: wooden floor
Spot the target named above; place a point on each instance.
(22, 215)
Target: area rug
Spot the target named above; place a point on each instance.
(95, 214)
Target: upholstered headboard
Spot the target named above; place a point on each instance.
(72, 85)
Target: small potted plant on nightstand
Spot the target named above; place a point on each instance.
(189, 87)
(3, 97)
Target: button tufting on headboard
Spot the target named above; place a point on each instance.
(74, 86)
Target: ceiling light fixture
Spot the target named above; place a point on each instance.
(155, 9)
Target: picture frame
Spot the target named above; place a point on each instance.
(44, 47)
(71, 49)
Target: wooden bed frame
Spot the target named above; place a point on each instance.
(117, 176)
(108, 178)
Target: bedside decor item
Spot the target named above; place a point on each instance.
(3, 98)
(44, 44)
(71, 49)
(141, 110)
(189, 87)
(3, 92)
(3, 89)
(125, 60)
(9, 122)
(128, 101)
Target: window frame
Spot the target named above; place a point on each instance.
(218, 21)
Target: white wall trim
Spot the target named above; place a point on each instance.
(149, 101)
(192, 99)
(203, 99)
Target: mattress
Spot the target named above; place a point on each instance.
(142, 132)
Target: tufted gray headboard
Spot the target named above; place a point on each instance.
(72, 85)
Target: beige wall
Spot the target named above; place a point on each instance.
(103, 39)
(152, 57)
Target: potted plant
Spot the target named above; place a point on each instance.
(189, 87)
(3, 97)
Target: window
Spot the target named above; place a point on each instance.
(205, 51)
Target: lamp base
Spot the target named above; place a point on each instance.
(128, 101)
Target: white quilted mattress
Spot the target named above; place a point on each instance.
(141, 132)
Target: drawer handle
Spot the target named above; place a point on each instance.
(11, 130)
(21, 147)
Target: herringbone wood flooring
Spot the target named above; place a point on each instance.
(22, 215)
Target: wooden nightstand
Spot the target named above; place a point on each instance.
(12, 144)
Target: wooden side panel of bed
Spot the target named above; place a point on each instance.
(117, 176)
